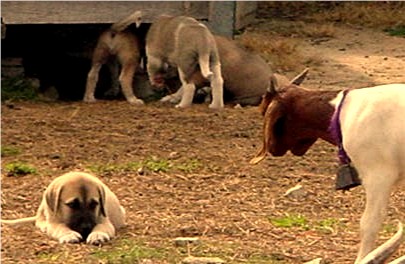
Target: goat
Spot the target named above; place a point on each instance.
(373, 135)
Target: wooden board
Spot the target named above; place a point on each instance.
(88, 12)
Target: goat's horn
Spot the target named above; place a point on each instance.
(300, 77)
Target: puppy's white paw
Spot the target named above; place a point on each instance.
(135, 101)
(216, 106)
(180, 105)
(70, 237)
(89, 99)
(171, 99)
(97, 238)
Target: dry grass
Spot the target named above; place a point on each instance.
(280, 52)
(370, 14)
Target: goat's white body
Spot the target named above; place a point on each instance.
(373, 131)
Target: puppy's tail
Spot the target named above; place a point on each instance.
(135, 17)
(19, 221)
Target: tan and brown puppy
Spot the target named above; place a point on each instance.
(246, 75)
(188, 45)
(77, 206)
(116, 41)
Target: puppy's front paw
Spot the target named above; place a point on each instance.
(97, 238)
(70, 237)
(171, 99)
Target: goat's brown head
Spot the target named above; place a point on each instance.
(294, 117)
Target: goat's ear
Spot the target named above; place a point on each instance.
(300, 77)
(277, 81)
(275, 111)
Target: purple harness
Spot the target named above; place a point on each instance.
(336, 131)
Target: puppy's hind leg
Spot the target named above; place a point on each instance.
(126, 79)
(204, 62)
(92, 78)
(188, 90)
(217, 88)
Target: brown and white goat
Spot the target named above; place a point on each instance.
(373, 130)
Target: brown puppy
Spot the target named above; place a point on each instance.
(126, 46)
(77, 206)
(188, 45)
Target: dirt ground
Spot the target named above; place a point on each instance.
(199, 181)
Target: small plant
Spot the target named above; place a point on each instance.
(19, 169)
(129, 252)
(157, 165)
(398, 31)
(189, 165)
(7, 151)
(328, 225)
(17, 88)
(289, 221)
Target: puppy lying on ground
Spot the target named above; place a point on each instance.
(245, 75)
(184, 43)
(77, 206)
(122, 43)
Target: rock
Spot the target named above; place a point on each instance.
(314, 261)
(296, 192)
(202, 260)
(184, 241)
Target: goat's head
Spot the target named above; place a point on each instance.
(294, 117)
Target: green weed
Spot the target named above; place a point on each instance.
(288, 221)
(19, 169)
(7, 151)
(398, 31)
(129, 252)
(17, 88)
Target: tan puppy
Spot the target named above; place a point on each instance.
(123, 44)
(184, 43)
(77, 206)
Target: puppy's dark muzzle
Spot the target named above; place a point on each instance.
(83, 224)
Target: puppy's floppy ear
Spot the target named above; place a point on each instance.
(52, 197)
(101, 193)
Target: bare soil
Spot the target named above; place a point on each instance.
(224, 200)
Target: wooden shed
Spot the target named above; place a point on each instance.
(52, 41)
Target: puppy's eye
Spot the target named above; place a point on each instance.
(93, 204)
(75, 204)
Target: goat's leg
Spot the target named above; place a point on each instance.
(126, 79)
(217, 88)
(377, 190)
(92, 78)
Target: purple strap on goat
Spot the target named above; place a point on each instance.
(336, 131)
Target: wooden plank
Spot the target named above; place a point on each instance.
(245, 13)
(221, 17)
(89, 12)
